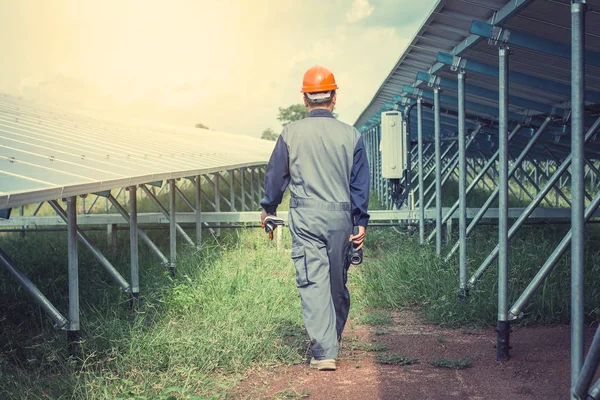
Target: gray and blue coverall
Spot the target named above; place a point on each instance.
(324, 162)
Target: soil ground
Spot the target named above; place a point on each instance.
(537, 369)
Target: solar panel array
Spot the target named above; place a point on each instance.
(447, 30)
(47, 154)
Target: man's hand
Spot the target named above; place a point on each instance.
(359, 238)
(263, 215)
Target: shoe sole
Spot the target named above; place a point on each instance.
(324, 365)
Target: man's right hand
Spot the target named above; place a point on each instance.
(359, 238)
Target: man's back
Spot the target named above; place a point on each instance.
(321, 151)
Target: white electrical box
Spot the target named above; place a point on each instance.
(393, 146)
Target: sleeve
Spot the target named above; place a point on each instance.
(359, 185)
(277, 177)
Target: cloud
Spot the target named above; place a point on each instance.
(397, 14)
(360, 10)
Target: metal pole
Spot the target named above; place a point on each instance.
(421, 172)
(166, 213)
(589, 367)
(577, 185)
(438, 173)
(73, 271)
(232, 190)
(95, 252)
(448, 169)
(141, 233)
(252, 191)
(198, 190)
(217, 185)
(594, 393)
(243, 184)
(503, 330)
(173, 227)
(59, 321)
(133, 242)
(462, 185)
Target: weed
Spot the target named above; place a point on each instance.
(442, 339)
(395, 359)
(380, 332)
(449, 363)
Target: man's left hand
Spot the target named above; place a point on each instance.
(359, 238)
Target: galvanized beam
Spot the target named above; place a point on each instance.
(531, 42)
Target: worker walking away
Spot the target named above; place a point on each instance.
(324, 162)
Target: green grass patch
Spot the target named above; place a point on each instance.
(450, 363)
(398, 273)
(395, 359)
(377, 318)
(442, 339)
(231, 306)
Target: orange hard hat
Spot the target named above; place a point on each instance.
(318, 79)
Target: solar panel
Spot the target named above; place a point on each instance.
(47, 154)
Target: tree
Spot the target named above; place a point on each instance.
(202, 126)
(293, 113)
(269, 134)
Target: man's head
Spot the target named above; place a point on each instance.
(319, 88)
(320, 100)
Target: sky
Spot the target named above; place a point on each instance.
(227, 64)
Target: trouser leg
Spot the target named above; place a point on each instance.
(338, 246)
(311, 261)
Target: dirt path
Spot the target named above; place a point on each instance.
(538, 368)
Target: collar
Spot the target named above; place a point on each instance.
(320, 112)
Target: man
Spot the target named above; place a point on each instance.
(324, 162)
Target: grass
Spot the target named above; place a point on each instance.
(450, 363)
(233, 306)
(395, 359)
(402, 273)
(227, 309)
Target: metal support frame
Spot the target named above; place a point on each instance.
(198, 193)
(133, 242)
(421, 171)
(173, 228)
(577, 188)
(438, 174)
(95, 252)
(503, 329)
(140, 232)
(462, 184)
(166, 212)
(73, 271)
(533, 205)
(495, 193)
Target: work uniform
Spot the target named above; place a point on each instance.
(324, 162)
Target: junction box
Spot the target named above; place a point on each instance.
(393, 146)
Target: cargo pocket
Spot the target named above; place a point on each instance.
(299, 259)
